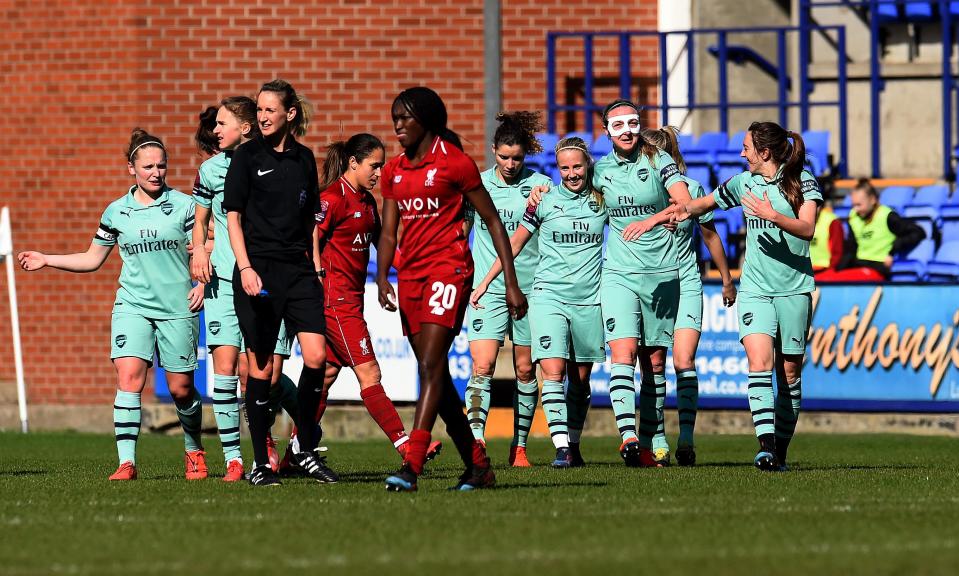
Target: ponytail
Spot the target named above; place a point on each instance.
(789, 156)
(290, 99)
(206, 140)
(665, 139)
(359, 147)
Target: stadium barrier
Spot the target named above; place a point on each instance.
(872, 348)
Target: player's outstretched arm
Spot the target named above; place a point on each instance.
(715, 246)
(515, 300)
(385, 251)
(802, 227)
(88, 261)
(697, 207)
(517, 241)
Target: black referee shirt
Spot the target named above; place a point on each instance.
(278, 195)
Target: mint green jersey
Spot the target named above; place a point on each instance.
(510, 202)
(570, 245)
(155, 277)
(635, 189)
(776, 262)
(685, 251)
(208, 192)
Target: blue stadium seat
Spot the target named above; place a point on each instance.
(734, 147)
(912, 268)
(945, 266)
(601, 147)
(706, 147)
(553, 173)
(736, 219)
(918, 11)
(886, 12)
(896, 197)
(685, 142)
(954, 8)
(925, 206)
(542, 161)
(949, 230)
(700, 173)
(727, 171)
(586, 136)
(817, 151)
(842, 211)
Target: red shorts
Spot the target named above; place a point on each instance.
(348, 341)
(440, 298)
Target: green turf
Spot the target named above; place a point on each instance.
(852, 505)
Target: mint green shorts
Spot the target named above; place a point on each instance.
(690, 314)
(640, 305)
(493, 322)
(570, 331)
(173, 340)
(785, 318)
(222, 327)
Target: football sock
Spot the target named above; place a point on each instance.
(622, 395)
(383, 412)
(687, 400)
(577, 404)
(524, 408)
(309, 392)
(659, 439)
(226, 411)
(788, 400)
(554, 405)
(416, 455)
(647, 410)
(257, 415)
(283, 396)
(126, 424)
(477, 403)
(760, 394)
(190, 413)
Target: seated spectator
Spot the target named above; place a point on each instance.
(878, 233)
(826, 246)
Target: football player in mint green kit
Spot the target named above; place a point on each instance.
(689, 319)
(156, 306)
(566, 320)
(233, 124)
(780, 201)
(509, 184)
(640, 284)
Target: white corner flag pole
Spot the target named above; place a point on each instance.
(6, 252)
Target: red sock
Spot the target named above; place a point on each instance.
(479, 454)
(321, 408)
(416, 455)
(383, 412)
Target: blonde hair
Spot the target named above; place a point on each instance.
(665, 139)
(577, 143)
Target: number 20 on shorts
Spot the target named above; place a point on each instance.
(443, 298)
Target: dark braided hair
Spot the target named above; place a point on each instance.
(428, 109)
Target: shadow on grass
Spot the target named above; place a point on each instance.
(17, 473)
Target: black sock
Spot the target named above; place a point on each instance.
(257, 413)
(782, 445)
(767, 443)
(308, 393)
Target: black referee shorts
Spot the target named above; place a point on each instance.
(293, 294)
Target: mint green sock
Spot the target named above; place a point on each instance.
(191, 420)
(477, 404)
(226, 410)
(648, 423)
(554, 405)
(524, 408)
(687, 401)
(578, 398)
(126, 425)
(760, 394)
(622, 395)
(659, 439)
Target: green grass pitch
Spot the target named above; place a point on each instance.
(875, 504)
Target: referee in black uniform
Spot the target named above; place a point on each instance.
(271, 195)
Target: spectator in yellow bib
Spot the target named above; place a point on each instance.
(877, 232)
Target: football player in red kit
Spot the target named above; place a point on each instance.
(426, 187)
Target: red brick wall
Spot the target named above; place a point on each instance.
(79, 75)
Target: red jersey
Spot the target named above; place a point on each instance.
(430, 200)
(347, 222)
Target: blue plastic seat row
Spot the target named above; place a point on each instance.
(926, 264)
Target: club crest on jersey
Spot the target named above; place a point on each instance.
(166, 208)
(545, 341)
(478, 324)
(593, 205)
(321, 215)
(526, 191)
(214, 327)
(365, 346)
(120, 340)
(397, 179)
(643, 174)
(302, 198)
(430, 175)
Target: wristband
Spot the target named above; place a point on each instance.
(245, 268)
